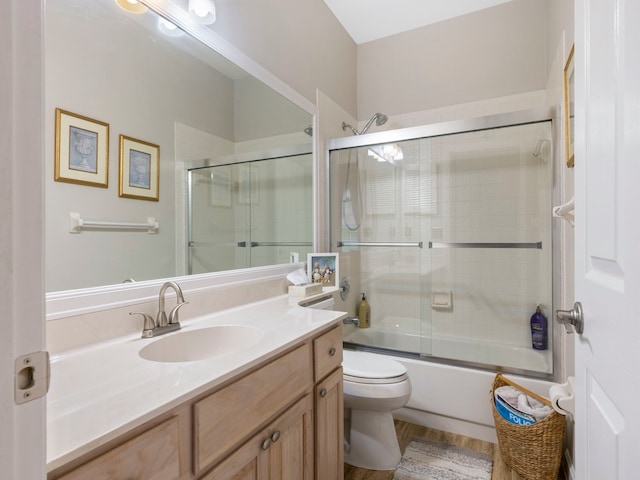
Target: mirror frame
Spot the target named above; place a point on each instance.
(87, 300)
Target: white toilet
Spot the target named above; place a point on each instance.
(374, 385)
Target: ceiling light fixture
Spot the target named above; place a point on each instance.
(202, 11)
(132, 6)
(168, 28)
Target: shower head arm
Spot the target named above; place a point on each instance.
(369, 123)
(345, 125)
(379, 118)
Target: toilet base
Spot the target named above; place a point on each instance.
(373, 441)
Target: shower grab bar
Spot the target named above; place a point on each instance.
(216, 244)
(77, 224)
(281, 244)
(252, 244)
(379, 244)
(537, 245)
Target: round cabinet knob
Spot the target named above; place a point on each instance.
(266, 444)
(332, 351)
(276, 436)
(323, 392)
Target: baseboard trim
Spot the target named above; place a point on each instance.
(446, 424)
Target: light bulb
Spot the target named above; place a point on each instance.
(203, 11)
(132, 6)
(200, 11)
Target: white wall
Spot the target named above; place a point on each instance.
(299, 41)
(492, 53)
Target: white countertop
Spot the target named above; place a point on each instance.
(101, 392)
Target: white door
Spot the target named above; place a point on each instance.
(607, 175)
(22, 431)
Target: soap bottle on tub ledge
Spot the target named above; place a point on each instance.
(364, 313)
(539, 330)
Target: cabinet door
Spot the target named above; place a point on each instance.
(330, 428)
(153, 454)
(282, 451)
(223, 420)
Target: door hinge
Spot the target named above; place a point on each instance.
(32, 376)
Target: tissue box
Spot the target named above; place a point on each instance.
(305, 290)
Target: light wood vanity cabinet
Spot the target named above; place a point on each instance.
(329, 411)
(281, 421)
(282, 451)
(153, 454)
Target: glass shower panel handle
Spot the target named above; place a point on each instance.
(242, 244)
(572, 317)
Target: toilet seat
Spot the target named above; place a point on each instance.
(363, 367)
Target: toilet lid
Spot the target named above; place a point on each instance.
(366, 367)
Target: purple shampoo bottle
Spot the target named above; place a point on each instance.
(539, 330)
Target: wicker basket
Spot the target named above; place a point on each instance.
(533, 451)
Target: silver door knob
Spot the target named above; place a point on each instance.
(572, 317)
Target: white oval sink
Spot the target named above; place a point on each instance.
(193, 345)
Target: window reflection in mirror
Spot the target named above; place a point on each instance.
(167, 90)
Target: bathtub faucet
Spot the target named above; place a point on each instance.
(353, 320)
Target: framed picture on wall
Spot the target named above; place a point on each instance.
(139, 169)
(569, 110)
(323, 268)
(81, 150)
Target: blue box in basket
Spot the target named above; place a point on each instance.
(511, 415)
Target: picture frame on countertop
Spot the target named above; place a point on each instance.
(323, 268)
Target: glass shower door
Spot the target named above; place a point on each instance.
(250, 214)
(219, 220)
(380, 201)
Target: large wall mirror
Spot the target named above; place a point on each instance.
(230, 149)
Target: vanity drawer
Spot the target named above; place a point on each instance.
(327, 352)
(152, 454)
(227, 417)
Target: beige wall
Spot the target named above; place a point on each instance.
(299, 41)
(560, 27)
(492, 53)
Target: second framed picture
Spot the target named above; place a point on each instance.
(139, 169)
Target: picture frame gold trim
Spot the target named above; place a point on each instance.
(81, 150)
(139, 170)
(568, 104)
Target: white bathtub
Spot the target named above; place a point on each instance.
(403, 335)
(445, 397)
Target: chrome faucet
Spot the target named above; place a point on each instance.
(161, 318)
(162, 324)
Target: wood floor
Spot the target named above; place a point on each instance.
(407, 431)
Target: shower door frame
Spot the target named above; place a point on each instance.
(490, 122)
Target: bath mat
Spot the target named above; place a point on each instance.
(424, 459)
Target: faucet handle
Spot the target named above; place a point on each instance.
(173, 314)
(149, 324)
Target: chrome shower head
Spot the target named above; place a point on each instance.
(379, 118)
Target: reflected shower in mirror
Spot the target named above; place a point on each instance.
(250, 213)
(170, 91)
